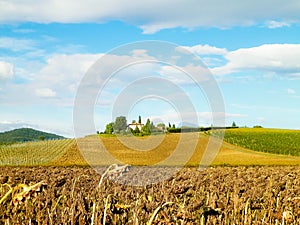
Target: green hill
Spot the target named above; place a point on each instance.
(26, 134)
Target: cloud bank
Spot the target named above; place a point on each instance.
(277, 58)
(154, 15)
(58, 79)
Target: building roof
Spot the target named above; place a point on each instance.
(136, 124)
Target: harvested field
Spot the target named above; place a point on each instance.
(220, 195)
(157, 150)
(228, 154)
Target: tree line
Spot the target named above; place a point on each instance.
(120, 126)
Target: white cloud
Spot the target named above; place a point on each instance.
(6, 70)
(291, 91)
(68, 67)
(139, 53)
(205, 50)
(45, 93)
(277, 24)
(212, 56)
(58, 79)
(186, 75)
(153, 15)
(63, 73)
(278, 58)
(15, 44)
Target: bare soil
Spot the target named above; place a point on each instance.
(219, 195)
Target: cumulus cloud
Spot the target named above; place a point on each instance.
(278, 58)
(152, 15)
(52, 83)
(62, 73)
(6, 70)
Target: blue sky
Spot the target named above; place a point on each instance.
(251, 49)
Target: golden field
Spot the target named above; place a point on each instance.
(164, 150)
(228, 154)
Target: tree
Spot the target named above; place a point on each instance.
(233, 124)
(174, 126)
(120, 124)
(136, 130)
(169, 125)
(140, 119)
(41, 138)
(109, 128)
(161, 126)
(146, 129)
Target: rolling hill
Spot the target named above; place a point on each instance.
(26, 134)
(76, 152)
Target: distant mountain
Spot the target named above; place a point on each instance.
(26, 134)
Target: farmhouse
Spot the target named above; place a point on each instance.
(135, 125)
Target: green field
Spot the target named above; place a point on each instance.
(275, 141)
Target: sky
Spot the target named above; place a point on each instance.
(243, 57)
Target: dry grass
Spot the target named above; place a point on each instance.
(66, 153)
(228, 154)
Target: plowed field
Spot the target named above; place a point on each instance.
(221, 195)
